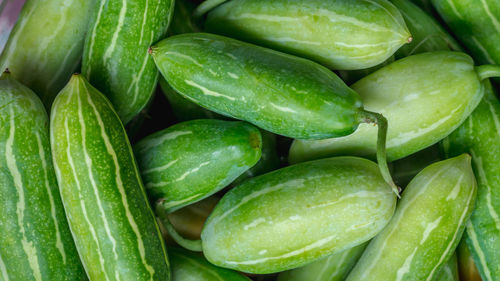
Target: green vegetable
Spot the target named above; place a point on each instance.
(480, 136)
(269, 160)
(449, 271)
(188, 266)
(192, 160)
(182, 20)
(425, 5)
(46, 44)
(36, 242)
(405, 169)
(332, 268)
(466, 266)
(439, 89)
(352, 76)
(428, 35)
(476, 24)
(426, 228)
(340, 34)
(183, 109)
(280, 93)
(296, 215)
(116, 59)
(114, 229)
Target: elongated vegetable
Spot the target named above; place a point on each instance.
(480, 136)
(188, 266)
(280, 93)
(321, 30)
(476, 24)
(36, 242)
(116, 59)
(46, 44)
(428, 35)
(449, 271)
(192, 160)
(332, 268)
(466, 266)
(338, 203)
(114, 229)
(405, 169)
(426, 228)
(440, 89)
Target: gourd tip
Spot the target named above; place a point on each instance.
(150, 50)
(7, 71)
(410, 39)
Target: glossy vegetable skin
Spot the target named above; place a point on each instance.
(340, 34)
(46, 44)
(440, 89)
(114, 229)
(295, 215)
(189, 266)
(192, 160)
(280, 93)
(426, 228)
(479, 135)
(36, 242)
(116, 59)
(331, 268)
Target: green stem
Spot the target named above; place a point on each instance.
(206, 6)
(379, 119)
(488, 71)
(192, 245)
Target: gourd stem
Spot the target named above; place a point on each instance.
(206, 6)
(379, 119)
(192, 245)
(487, 71)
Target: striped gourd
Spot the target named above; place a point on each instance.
(189, 266)
(480, 136)
(46, 44)
(476, 23)
(466, 266)
(332, 268)
(428, 34)
(426, 228)
(340, 34)
(35, 240)
(295, 215)
(440, 89)
(116, 59)
(192, 160)
(115, 230)
(449, 271)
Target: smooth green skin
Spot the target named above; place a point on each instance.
(476, 25)
(269, 160)
(480, 136)
(184, 109)
(36, 242)
(466, 266)
(189, 266)
(192, 160)
(332, 268)
(298, 214)
(428, 35)
(439, 89)
(116, 59)
(46, 44)
(449, 271)
(280, 93)
(340, 34)
(425, 5)
(114, 229)
(426, 228)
